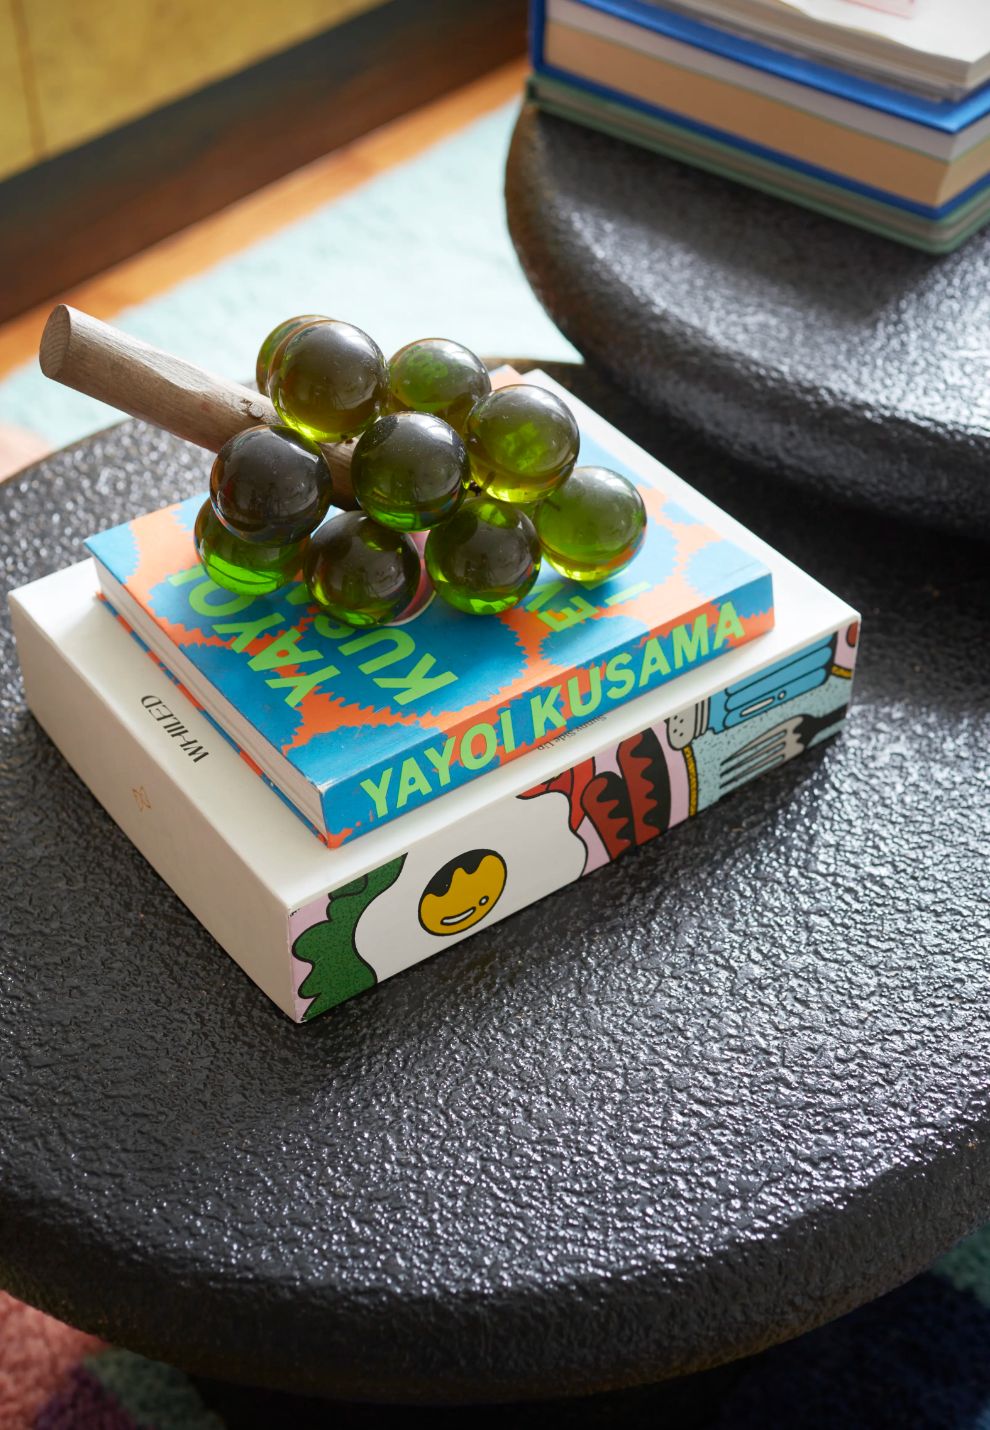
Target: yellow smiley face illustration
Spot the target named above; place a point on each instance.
(463, 892)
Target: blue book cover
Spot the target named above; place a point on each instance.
(949, 116)
(369, 723)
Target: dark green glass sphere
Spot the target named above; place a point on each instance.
(438, 376)
(485, 558)
(408, 470)
(592, 525)
(247, 567)
(328, 381)
(269, 484)
(522, 442)
(275, 339)
(361, 573)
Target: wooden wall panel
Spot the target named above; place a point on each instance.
(99, 63)
(18, 146)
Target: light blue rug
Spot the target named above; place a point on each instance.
(422, 250)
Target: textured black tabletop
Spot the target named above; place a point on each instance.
(721, 1091)
(792, 340)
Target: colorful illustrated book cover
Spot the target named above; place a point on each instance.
(379, 720)
(478, 871)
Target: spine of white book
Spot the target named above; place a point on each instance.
(161, 772)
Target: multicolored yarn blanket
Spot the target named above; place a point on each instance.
(917, 1359)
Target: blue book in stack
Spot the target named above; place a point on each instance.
(907, 161)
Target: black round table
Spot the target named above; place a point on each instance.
(719, 1092)
(808, 347)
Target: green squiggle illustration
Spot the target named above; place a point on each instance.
(338, 970)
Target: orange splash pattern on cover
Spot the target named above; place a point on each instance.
(164, 550)
(532, 632)
(323, 714)
(256, 768)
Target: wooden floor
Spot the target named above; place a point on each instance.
(205, 243)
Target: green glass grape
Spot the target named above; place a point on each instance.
(592, 525)
(522, 442)
(268, 484)
(278, 335)
(361, 573)
(438, 376)
(408, 470)
(328, 381)
(248, 567)
(485, 558)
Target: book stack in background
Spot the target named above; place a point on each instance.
(879, 119)
(436, 776)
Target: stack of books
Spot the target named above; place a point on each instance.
(879, 119)
(336, 804)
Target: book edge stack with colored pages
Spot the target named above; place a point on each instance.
(783, 107)
(944, 52)
(313, 926)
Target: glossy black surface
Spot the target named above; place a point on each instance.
(837, 358)
(710, 1097)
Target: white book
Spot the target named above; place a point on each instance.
(941, 44)
(313, 926)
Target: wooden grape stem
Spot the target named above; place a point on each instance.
(101, 361)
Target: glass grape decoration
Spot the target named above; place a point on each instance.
(408, 470)
(592, 524)
(278, 335)
(461, 490)
(485, 558)
(437, 376)
(361, 573)
(522, 442)
(251, 568)
(269, 484)
(328, 381)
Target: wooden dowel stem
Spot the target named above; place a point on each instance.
(169, 392)
(101, 361)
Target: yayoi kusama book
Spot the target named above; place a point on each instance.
(314, 926)
(356, 727)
